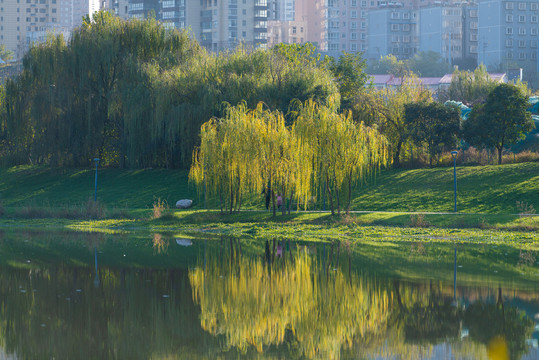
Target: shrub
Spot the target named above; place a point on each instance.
(160, 207)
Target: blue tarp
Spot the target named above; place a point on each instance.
(464, 110)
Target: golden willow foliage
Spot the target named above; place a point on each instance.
(251, 307)
(135, 94)
(248, 150)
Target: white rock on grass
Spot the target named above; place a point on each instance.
(184, 204)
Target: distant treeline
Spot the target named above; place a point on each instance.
(134, 94)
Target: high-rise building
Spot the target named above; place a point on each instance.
(218, 25)
(447, 29)
(508, 33)
(441, 30)
(117, 7)
(24, 22)
(393, 31)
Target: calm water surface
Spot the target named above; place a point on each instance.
(157, 296)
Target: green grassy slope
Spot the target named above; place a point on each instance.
(488, 189)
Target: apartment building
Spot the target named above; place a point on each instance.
(393, 31)
(217, 25)
(117, 7)
(442, 29)
(23, 22)
(508, 33)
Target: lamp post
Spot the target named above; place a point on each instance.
(96, 160)
(454, 155)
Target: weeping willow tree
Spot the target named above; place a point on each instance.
(335, 152)
(258, 309)
(240, 153)
(250, 149)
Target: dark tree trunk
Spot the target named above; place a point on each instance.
(328, 189)
(396, 156)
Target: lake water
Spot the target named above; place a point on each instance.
(159, 296)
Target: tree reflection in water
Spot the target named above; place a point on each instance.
(305, 302)
(308, 303)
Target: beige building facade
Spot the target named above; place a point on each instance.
(24, 22)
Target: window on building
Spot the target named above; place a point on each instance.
(136, 6)
(521, 18)
(509, 31)
(473, 25)
(534, 6)
(534, 56)
(353, 36)
(353, 14)
(395, 38)
(522, 31)
(473, 49)
(533, 44)
(522, 43)
(509, 5)
(522, 6)
(406, 16)
(167, 4)
(353, 47)
(508, 18)
(522, 56)
(395, 15)
(168, 14)
(405, 27)
(395, 27)
(473, 37)
(533, 19)
(533, 31)
(353, 25)
(509, 55)
(473, 13)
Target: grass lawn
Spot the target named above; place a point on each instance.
(487, 198)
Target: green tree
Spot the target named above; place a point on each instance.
(349, 72)
(391, 114)
(470, 87)
(501, 121)
(428, 64)
(434, 125)
(5, 55)
(389, 65)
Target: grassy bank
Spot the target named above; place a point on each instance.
(484, 189)
(487, 198)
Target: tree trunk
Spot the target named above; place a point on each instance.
(349, 192)
(500, 151)
(290, 202)
(231, 200)
(337, 195)
(283, 206)
(396, 156)
(329, 195)
(273, 202)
